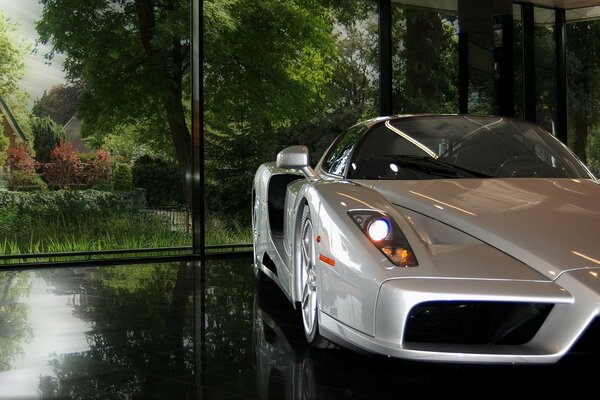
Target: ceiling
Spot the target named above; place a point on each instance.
(566, 4)
(576, 10)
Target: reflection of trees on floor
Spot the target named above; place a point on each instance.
(141, 336)
(15, 330)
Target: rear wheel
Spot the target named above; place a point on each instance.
(308, 279)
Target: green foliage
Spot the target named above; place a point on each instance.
(426, 64)
(123, 230)
(593, 151)
(25, 181)
(219, 231)
(275, 88)
(134, 60)
(12, 55)
(583, 74)
(127, 143)
(12, 69)
(47, 134)
(98, 169)
(71, 205)
(59, 103)
(4, 143)
(160, 180)
(122, 179)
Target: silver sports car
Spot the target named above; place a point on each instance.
(453, 238)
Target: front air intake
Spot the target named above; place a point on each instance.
(475, 323)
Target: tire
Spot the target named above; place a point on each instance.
(309, 303)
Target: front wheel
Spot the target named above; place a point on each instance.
(260, 276)
(308, 278)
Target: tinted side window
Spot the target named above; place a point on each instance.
(336, 160)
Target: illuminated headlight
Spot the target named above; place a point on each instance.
(385, 234)
(378, 229)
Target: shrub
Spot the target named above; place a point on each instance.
(47, 134)
(19, 160)
(161, 181)
(97, 169)
(122, 179)
(21, 171)
(65, 169)
(25, 181)
(71, 205)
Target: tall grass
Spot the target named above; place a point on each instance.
(226, 232)
(25, 234)
(131, 230)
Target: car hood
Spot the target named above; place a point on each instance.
(552, 225)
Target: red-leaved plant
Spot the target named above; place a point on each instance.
(64, 170)
(99, 169)
(18, 160)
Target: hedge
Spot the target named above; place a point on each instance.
(76, 203)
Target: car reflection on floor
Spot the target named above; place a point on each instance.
(286, 367)
(283, 363)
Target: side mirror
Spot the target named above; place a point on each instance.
(296, 157)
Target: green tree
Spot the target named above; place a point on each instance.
(12, 69)
(267, 64)
(4, 143)
(351, 94)
(59, 103)
(47, 134)
(11, 58)
(584, 83)
(133, 57)
(425, 61)
(122, 177)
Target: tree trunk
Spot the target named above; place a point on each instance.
(182, 142)
(173, 65)
(423, 48)
(580, 134)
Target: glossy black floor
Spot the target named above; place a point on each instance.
(182, 331)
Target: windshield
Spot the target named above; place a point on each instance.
(462, 147)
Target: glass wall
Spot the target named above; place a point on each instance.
(96, 152)
(545, 68)
(95, 110)
(278, 73)
(583, 78)
(425, 59)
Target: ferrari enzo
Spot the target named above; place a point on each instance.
(454, 238)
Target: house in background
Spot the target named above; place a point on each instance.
(10, 126)
(73, 135)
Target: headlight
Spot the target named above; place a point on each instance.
(378, 229)
(385, 234)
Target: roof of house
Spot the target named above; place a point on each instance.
(5, 110)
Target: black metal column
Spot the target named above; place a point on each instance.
(560, 29)
(385, 58)
(529, 95)
(198, 217)
(506, 80)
